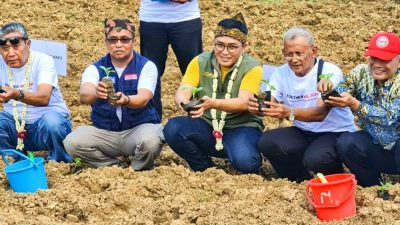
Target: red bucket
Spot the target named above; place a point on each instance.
(334, 200)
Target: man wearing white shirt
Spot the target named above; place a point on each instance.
(127, 125)
(35, 116)
(309, 145)
(169, 22)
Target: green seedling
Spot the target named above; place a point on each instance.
(109, 83)
(264, 95)
(383, 190)
(268, 85)
(193, 89)
(384, 186)
(107, 70)
(195, 101)
(78, 162)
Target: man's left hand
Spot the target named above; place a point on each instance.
(11, 93)
(276, 110)
(122, 100)
(344, 101)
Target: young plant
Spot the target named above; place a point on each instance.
(269, 86)
(193, 89)
(107, 70)
(265, 95)
(383, 190)
(329, 92)
(109, 82)
(195, 101)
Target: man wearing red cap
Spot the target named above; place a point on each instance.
(372, 91)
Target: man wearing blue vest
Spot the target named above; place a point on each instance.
(125, 123)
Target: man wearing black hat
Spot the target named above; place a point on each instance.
(220, 126)
(119, 87)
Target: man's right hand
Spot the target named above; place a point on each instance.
(101, 90)
(253, 107)
(324, 85)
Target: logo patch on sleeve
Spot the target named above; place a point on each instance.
(132, 76)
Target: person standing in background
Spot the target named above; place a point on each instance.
(163, 23)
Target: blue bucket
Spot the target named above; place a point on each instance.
(25, 176)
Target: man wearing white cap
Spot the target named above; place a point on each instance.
(372, 91)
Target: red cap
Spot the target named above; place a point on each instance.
(384, 45)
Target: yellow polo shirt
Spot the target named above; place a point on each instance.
(251, 80)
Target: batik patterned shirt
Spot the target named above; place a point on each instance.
(379, 110)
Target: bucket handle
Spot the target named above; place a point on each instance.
(311, 201)
(6, 152)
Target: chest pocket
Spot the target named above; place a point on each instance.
(130, 87)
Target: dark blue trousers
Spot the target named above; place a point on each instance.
(367, 160)
(192, 140)
(293, 152)
(185, 39)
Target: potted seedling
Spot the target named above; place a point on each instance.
(329, 92)
(76, 167)
(109, 83)
(195, 101)
(383, 190)
(264, 96)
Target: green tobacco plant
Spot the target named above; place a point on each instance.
(193, 89)
(269, 86)
(327, 76)
(384, 186)
(107, 70)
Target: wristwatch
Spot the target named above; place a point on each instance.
(291, 115)
(21, 96)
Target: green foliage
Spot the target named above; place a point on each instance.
(268, 85)
(193, 89)
(384, 186)
(107, 70)
(326, 76)
(78, 162)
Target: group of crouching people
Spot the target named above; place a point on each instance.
(352, 120)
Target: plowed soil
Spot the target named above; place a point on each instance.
(171, 193)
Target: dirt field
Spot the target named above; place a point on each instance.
(171, 193)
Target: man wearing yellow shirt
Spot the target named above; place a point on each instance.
(220, 126)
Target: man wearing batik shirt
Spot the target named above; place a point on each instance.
(373, 93)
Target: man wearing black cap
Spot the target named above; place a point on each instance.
(220, 126)
(119, 87)
(372, 91)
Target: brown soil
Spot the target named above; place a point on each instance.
(172, 194)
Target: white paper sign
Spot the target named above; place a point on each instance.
(57, 50)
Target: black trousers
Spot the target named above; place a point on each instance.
(185, 39)
(293, 153)
(367, 160)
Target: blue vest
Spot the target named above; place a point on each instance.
(104, 114)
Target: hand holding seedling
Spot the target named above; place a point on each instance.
(253, 106)
(325, 84)
(345, 100)
(101, 90)
(276, 110)
(8, 94)
(208, 103)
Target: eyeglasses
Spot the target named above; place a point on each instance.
(13, 41)
(299, 55)
(123, 40)
(231, 48)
